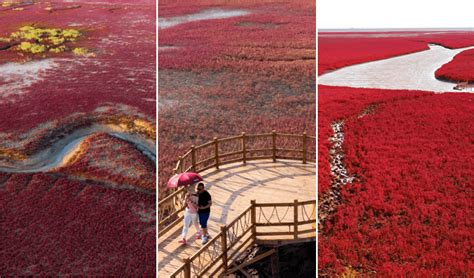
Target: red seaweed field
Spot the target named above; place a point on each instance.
(395, 173)
(253, 72)
(460, 69)
(344, 49)
(77, 133)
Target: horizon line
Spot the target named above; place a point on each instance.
(396, 29)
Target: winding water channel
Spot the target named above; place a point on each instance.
(209, 14)
(61, 151)
(414, 71)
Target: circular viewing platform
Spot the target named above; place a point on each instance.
(235, 223)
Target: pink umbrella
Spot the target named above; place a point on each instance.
(183, 179)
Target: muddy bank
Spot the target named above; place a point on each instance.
(329, 200)
(60, 152)
(17, 146)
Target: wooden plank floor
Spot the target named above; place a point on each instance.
(232, 187)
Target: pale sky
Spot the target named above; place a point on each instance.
(335, 14)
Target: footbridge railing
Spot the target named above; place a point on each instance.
(241, 148)
(259, 222)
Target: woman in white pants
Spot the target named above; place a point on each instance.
(190, 214)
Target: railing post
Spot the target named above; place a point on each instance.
(193, 158)
(177, 200)
(187, 268)
(216, 149)
(304, 147)
(274, 145)
(295, 224)
(244, 148)
(224, 246)
(315, 215)
(180, 168)
(253, 218)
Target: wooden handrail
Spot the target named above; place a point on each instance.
(168, 211)
(244, 148)
(230, 138)
(228, 249)
(259, 135)
(215, 157)
(240, 216)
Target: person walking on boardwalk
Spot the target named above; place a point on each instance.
(190, 214)
(204, 210)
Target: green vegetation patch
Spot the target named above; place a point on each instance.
(34, 40)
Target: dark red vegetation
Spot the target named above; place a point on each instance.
(341, 103)
(337, 50)
(460, 69)
(409, 210)
(72, 224)
(122, 37)
(269, 39)
(51, 225)
(111, 159)
(252, 73)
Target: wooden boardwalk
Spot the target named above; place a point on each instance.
(232, 187)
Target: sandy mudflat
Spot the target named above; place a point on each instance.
(408, 72)
(14, 77)
(203, 15)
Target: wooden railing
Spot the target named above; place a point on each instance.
(259, 222)
(242, 148)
